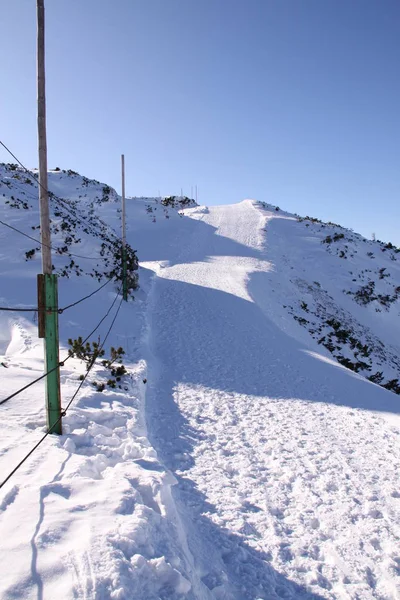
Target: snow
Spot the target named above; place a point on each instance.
(239, 460)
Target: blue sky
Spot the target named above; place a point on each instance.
(294, 102)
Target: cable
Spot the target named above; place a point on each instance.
(26, 235)
(27, 456)
(12, 309)
(69, 207)
(51, 247)
(60, 200)
(50, 194)
(14, 157)
(64, 411)
(105, 316)
(101, 348)
(59, 310)
(61, 363)
(31, 196)
(32, 382)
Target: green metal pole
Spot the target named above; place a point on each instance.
(53, 396)
(124, 275)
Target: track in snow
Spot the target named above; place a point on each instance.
(286, 486)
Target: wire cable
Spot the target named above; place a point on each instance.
(50, 194)
(27, 456)
(64, 411)
(62, 362)
(100, 348)
(27, 236)
(59, 310)
(14, 309)
(99, 258)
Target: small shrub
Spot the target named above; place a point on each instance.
(301, 320)
(338, 236)
(116, 355)
(100, 387)
(382, 273)
(376, 378)
(119, 371)
(30, 254)
(392, 386)
(87, 352)
(346, 362)
(365, 294)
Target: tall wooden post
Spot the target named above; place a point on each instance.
(42, 139)
(48, 293)
(124, 266)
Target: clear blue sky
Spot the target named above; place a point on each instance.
(294, 102)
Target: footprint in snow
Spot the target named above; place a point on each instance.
(9, 498)
(56, 488)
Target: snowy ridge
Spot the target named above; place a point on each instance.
(239, 459)
(74, 219)
(324, 293)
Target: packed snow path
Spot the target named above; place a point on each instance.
(287, 464)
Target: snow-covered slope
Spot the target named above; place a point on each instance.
(342, 289)
(239, 459)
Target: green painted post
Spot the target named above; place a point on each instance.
(53, 396)
(124, 275)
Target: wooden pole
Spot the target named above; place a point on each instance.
(41, 120)
(123, 201)
(124, 266)
(47, 283)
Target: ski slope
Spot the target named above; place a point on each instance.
(239, 460)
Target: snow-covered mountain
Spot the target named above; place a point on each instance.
(252, 450)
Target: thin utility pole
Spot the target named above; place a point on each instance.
(196, 193)
(47, 282)
(124, 266)
(41, 118)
